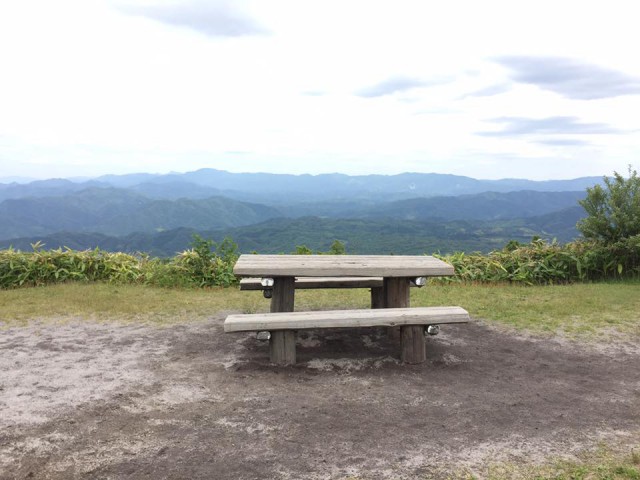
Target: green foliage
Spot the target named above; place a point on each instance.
(613, 211)
(303, 250)
(206, 264)
(337, 248)
(540, 262)
(42, 267)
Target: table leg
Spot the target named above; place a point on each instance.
(412, 343)
(396, 292)
(395, 295)
(282, 344)
(377, 297)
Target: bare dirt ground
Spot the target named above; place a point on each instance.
(111, 401)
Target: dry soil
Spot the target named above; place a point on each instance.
(93, 400)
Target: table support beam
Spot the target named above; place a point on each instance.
(377, 297)
(396, 292)
(282, 344)
(412, 342)
(282, 347)
(413, 345)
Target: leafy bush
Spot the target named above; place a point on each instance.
(540, 263)
(613, 211)
(42, 267)
(207, 264)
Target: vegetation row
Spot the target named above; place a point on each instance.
(208, 264)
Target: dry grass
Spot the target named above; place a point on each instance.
(576, 310)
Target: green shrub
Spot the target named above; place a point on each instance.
(42, 267)
(613, 211)
(540, 263)
(206, 264)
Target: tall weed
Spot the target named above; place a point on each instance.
(206, 264)
(540, 262)
(209, 264)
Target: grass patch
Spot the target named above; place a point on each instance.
(601, 464)
(127, 303)
(575, 310)
(580, 310)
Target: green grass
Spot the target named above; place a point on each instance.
(99, 301)
(583, 310)
(600, 464)
(575, 310)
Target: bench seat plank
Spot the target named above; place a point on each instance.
(385, 317)
(319, 282)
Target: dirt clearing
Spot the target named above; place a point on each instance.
(101, 401)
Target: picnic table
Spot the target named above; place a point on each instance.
(398, 273)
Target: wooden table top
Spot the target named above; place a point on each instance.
(341, 266)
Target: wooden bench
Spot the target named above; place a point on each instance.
(283, 346)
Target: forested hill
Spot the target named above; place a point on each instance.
(361, 236)
(481, 206)
(114, 211)
(407, 213)
(119, 212)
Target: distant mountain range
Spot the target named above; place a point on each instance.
(480, 206)
(274, 189)
(407, 213)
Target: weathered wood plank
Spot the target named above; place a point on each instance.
(384, 317)
(319, 282)
(341, 266)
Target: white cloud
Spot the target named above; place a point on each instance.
(87, 88)
(212, 18)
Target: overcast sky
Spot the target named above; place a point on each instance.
(488, 89)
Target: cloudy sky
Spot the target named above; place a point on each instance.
(489, 89)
